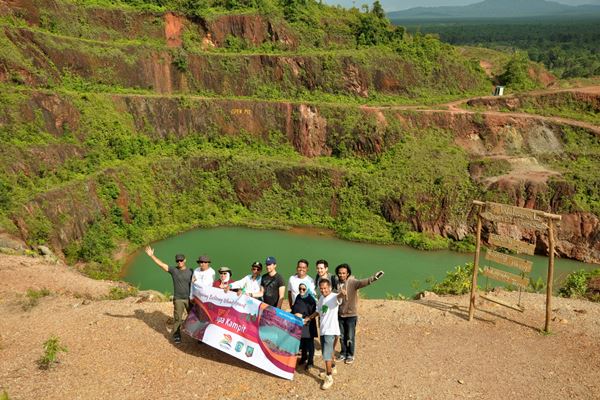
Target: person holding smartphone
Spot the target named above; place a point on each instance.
(348, 316)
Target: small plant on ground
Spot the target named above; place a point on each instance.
(33, 298)
(537, 286)
(52, 348)
(4, 395)
(119, 293)
(399, 296)
(456, 282)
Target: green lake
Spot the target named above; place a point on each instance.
(406, 269)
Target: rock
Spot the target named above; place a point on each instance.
(427, 295)
(150, 296)
(45, 251)
(461, 381)
(10, 242)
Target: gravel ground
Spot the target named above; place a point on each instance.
(422, 349)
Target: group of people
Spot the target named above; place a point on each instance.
(331, 297)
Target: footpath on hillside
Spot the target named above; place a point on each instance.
(421, 349)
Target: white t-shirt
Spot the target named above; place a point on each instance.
(248, 284)
(202, 278)
(294, 282)
(328, 310)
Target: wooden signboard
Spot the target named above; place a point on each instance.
(509, 261)
(523, 218)
(512, 244)
(512, 220)
(504, 276)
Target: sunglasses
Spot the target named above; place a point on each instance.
(302, 290)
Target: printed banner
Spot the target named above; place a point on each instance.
(245, 328)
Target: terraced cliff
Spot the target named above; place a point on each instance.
(121, 126)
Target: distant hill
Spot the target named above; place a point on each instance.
(497, 9)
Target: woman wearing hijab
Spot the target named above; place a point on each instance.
(224, 278)
(303, 306)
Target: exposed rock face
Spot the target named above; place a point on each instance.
(174, 25)
(254, 29)
(311, 133)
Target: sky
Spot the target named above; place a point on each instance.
(395, 5)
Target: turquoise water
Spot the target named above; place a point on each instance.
(406, 269)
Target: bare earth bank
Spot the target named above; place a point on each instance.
(405, 349)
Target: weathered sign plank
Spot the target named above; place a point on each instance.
(513, 211)
(512, 244)
(504, 276)
(513, 220)
(509, 261)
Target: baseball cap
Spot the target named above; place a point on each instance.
(203, 259)
(179, 257)
(270, 260)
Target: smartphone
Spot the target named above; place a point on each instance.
(379, 274)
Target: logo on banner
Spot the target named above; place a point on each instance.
(249, 351)
(226, 342)
(239, 346)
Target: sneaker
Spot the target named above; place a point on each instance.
(307, 367)
(349, 360)
(177, 339)
(341, 357)
(327, 382)
(323, 374)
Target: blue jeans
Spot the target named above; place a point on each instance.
(347, 335)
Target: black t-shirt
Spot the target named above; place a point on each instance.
(272, 285)
(182, 279)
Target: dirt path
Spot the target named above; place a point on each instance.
(405, 349)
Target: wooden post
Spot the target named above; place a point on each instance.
(475, 263)
(550, 274)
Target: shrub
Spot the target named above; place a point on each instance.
(119, 293)
(467, 245)
(52, 348)
(575, 284)
(456, 282)
(424, 241)
(537, 286)
(399, 296)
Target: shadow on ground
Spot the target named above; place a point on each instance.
(462, 312)
(158, 321)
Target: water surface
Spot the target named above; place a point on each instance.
(406, 269)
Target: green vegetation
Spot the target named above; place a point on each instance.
(566, 105)
(568, 48)
(52, 348)
(4, 395)
(86, 127)
(33, 298)
(576, 285)
(516, 74)
(456, 282)
(120, 293)
(399, 296)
